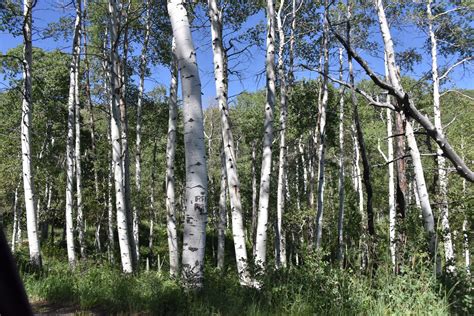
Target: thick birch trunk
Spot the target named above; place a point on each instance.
(340, 221)
(264, 196)
(70, 149)
(116, 138)
(194, 240)
(170, 179)
(394, 77)
(442, 170)
(280, 243)
(230, 155)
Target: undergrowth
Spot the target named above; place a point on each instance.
(314, 288)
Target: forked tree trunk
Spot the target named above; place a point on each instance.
(194, 239)
(264, 196)
(116, 139)
(70, 149)
(441, 160)
(230, 155)
(170, 179)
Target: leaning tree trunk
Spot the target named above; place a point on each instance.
(280, 243)
(116, 138)
(170, 179)
(394, 76)
(230, 158)
(26, 120)
(74, 69)
(340, 220)
(194, 240)
(138, 152)
(322, 132)
(264, 195)
(442, 170)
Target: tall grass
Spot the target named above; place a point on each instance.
(315, 288)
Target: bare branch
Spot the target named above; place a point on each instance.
(459, 62)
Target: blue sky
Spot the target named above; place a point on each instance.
(250, 65)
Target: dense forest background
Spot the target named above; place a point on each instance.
(346, 228)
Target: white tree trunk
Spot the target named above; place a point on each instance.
(77, 151)
(280, 243)
(230, 158)
(442, 171)
(26, 126)
(16, 221)
(170, 180)
(254, 194)
(394, 76)
(194, 239)
(138, 152)
(340, 221)
(116, 138)
(322, 133)
(465, 225)
(222, 218)
(70, 150)
(264, 196)
(392, 212)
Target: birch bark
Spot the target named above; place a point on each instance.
(322, 131)
(264, 196)
(394, 77)
(282, 170)
(340, 221)
(230, 158)
(70, 149)
(194, 239)
(441, 160)
(116, 138)
(170, 179)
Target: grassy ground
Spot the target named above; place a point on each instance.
(316, 288)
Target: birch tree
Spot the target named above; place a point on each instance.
(230, 158)
(170, 157)
(116, 139)
(340, 220)
(194, 239)
(280, 243)
(138, 152)
(441, 160)
(264, 195)
(322, 130)
(70, 145)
